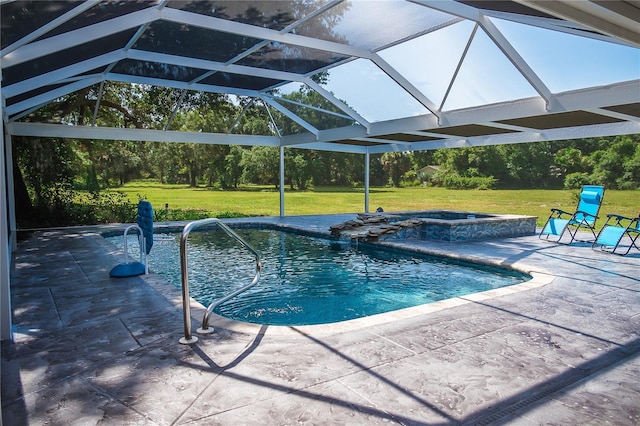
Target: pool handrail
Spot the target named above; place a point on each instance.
(188, 338)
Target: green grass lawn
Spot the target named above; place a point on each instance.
(265, 200)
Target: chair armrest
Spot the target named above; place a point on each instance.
(560, 212)
(618, 217)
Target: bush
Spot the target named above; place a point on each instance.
(462, 182)
(65, 207)
(576, 180)
(410, 179)
(103, 207)
(162, 215)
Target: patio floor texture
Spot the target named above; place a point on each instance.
(93, 350)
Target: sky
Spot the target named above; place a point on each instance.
(563, 61)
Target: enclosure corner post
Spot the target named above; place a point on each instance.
(366, 181)
(281, 181)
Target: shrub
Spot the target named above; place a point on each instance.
(576, 180)
(463, 182)
(410, 179)
(62, 206)
(103, 207)
(162, 215)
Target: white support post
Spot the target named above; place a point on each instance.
(366, 181)
(281, 181)
(5, 250)
(11, 200)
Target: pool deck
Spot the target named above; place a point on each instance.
(92, 350)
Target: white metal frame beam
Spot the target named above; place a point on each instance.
(617, 19)
(204, 64)
(598, 97)
(596, 130)
(112, 133)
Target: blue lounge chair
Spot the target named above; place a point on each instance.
(612, 234)
(583, 218)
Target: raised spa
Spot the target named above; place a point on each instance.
(441, 225)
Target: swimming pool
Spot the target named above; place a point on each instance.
(309, 280)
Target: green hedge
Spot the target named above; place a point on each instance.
(476, 182)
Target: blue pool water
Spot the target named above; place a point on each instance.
(308, 280)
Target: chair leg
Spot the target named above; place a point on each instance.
(583, 226)
(632, 244)
(573, 234)
(551, 227)
(546, 236)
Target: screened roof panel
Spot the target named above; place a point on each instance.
(195, 42)
(321, 120)
(302, 93)
(353, 81)
(434, 58)
(100, 12)
(19, 19)
(157, 70)
(54, 61)
(284, 124)
(366, 24)
(567, 61)
(94, 71)
(244, 124)
(32, 93)
(317, 72)
(226, 79)
(275, 15)
(289, 58)
(486, 76)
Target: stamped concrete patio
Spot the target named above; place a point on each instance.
(561, 349)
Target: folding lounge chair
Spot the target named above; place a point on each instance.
(584, 217)
(611, 235)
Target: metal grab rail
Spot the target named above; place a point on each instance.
(188, 338)
(141, 244)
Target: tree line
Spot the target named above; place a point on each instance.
(49, 173)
